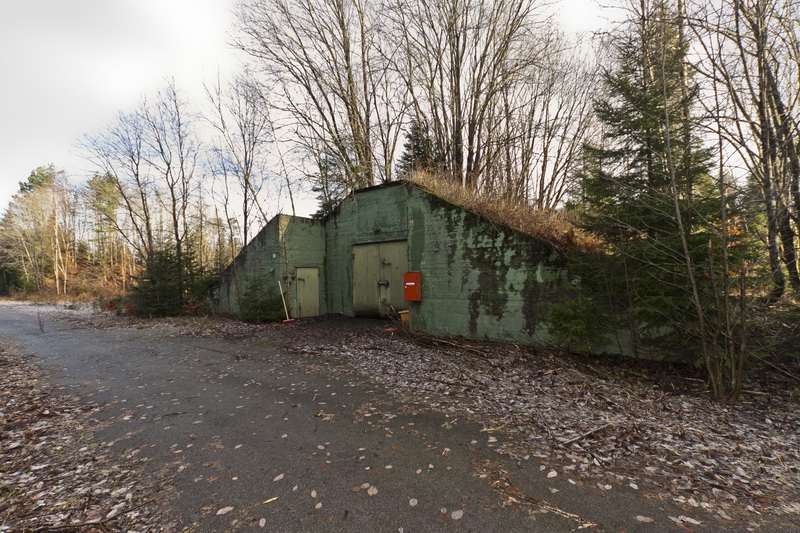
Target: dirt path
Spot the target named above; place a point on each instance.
(241, 433)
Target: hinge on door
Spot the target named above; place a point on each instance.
(383, 283)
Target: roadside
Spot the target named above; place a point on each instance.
(556, 422)
(52, 472)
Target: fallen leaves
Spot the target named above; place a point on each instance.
(224, 510)
(52, 475)
(685, 520)
(727, 460)
(612, 430)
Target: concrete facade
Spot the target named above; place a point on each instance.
(479, 279)
(283, 245)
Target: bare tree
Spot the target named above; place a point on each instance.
(119, 152)
(151, 156)
(241, 149)
(172, 157)
(748, 52)
(544, 120)
(459, 59)
(321, 65)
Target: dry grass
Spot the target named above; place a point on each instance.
(553, 226)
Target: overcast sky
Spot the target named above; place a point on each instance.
(67, 67)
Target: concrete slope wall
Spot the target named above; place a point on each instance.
(480, 279)
(255, 260)
(284, 244)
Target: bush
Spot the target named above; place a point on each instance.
(111, 305)
(260, 303)
(577, 324)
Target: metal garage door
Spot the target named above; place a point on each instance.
(378, 278)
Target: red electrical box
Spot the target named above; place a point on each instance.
(412, 282)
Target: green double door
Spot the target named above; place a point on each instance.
(378, 270)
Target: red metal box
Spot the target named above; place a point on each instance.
(412, 283)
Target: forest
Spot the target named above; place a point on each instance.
(672, 140)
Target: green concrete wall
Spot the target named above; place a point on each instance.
(284, 244)
(479, 279)
(371, 215)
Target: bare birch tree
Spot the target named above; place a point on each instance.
(241, 149)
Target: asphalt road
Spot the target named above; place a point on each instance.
(301, 444)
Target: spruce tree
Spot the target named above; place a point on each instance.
(418, 151)
(647, 191)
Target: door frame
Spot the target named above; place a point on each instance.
(368, 299)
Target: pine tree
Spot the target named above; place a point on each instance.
(418, 151)
(648, 192)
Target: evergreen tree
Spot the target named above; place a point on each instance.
(40, 178)
(418, 151)
(330, 184)
(171, 287)
(160, 290)
(648, 193)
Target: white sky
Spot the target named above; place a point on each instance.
(67, 67)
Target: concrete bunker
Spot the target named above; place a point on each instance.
(479, 279)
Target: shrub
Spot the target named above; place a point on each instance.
(577, 324)
(260, 303)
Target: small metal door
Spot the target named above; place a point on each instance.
(307, 292)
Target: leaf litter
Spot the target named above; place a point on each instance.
(613, 422)
(53, 475)
(584, 422)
